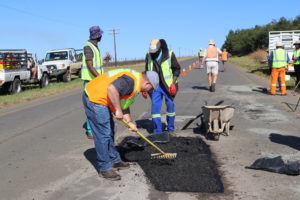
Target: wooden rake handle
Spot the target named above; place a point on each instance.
(144, 138)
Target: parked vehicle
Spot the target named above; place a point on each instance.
(287, 38)
(62, 63)
(15, 70)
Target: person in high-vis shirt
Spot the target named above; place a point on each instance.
(164, 62)
(92, 64)
(211, 58)
(280, 59)
(201, 54)
(224, 58)
(296, 61)
(110, 95)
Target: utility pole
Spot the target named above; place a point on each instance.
(114, 32)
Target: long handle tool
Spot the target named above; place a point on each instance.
(162, 154)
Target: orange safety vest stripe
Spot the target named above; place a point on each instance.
(211, 52)
(224, 55)
(96, 89)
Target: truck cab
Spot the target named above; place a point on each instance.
(59, 63)
(15, 70)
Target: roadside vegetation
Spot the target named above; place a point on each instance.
(31, 92)
(242, 42)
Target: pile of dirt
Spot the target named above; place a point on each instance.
(193, 170)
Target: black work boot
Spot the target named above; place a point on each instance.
(213, 87)
(121, 165)
(110, 175)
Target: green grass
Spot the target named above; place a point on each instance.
(254, 67)
(32, 92)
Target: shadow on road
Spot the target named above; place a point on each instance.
(291, 141)
(200, 88)
(91, 156)
(261, 90)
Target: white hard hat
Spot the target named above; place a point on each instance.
(211, 42)
(279, 44)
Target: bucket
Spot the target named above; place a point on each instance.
(287, 77)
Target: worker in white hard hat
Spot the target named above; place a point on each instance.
(211, 58)
(280, 59)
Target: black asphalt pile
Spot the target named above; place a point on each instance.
(193, 170)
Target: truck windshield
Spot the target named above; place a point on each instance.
(60, 55)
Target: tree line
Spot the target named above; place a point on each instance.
(244, 41)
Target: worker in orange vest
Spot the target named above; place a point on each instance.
(211, 58)
(111, 94)
(224, 58)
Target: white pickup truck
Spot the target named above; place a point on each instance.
(62, 63)
(288, 38)
(15, 70)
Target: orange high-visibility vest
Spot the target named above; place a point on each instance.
(96, 89)
(224, 55)
(212, 52)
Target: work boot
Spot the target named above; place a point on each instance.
(121, 165)
(110, 175)
(213, 87)
(209, 88)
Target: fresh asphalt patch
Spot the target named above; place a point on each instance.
(193, 170)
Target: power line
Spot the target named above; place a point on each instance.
(38, 16)
(114, 33)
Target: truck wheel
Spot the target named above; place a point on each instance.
(44, 81)
(66, 76)
(15, 86)
(79, 73)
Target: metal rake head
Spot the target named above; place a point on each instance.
(163, 155)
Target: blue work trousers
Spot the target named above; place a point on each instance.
(157, 98)
(87, 124)
(102, 125)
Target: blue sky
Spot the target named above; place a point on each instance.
(187, 25)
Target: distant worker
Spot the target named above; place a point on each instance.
(211, 58)
(201, 54)
(296, 61)
(164, 62)
(92, 64)
(280, 59)
(107, 96)
(224, 58)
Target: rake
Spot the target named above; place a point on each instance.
(161, 154)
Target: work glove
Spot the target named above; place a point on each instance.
(145, 95)
(293, 58)
(172, 89)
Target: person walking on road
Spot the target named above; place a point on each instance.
(296, 61)
(211, 58)
(201, 54)
(110, 95)
(92, 64)
(224, 58)
(164, 62)
(280, 59)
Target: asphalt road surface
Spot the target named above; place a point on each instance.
(45, 154)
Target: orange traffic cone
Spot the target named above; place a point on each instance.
(183, 73)
(190, 68)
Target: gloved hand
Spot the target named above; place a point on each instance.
(145, 95)
(172, 89)
(293, 58)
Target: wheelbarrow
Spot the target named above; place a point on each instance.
(216, 120)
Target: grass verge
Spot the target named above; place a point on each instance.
(253, 66)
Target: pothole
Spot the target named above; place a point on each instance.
(193, 170)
